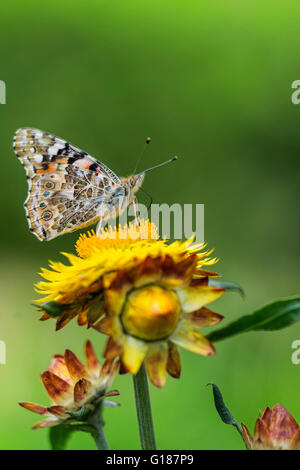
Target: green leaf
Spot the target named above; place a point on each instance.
(222, 409)
(227, 285)
(54, 309)
(273, 316)
(59, 436)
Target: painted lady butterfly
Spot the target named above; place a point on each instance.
(69, 189)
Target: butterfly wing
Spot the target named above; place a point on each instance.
(68, 188)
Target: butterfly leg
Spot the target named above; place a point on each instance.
(136, 211)
(99, 225)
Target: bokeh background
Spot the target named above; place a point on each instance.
(211, 82)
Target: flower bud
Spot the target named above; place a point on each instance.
(151, 313)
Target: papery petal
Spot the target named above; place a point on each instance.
(173, 362)
(47, 423)
(108, 372)
(117, 280)
(64, 319)
(45, 317)
(81, 390)
(156, 363)
(262, 436)
(295, 443)
(75, 367)
(91, 359)
(199, 281)
(171, 282)
(82, 318)
(177, 272)
(95, 312)
(134, 352)
(114, 301)
(248, 439)
(58, 410)
(112, 393)
(104, 325)
(91, 289)
(282, 423)
(205, 273)
(186, 336)
(148, 272)
(39, 409)
(204, 317)
(110, 403)
(117, 285)
(266, 416)
(122, 369)
(193, 298)
(113, 348)
(59, 368)
(58, 389)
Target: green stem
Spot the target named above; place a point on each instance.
(100, 440)
(99, 437)
(143, 409)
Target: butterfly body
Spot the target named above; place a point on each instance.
(68, 189)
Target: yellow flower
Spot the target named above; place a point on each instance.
(275, 429)
(75, 390)
(147, 295)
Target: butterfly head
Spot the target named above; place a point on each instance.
(136, 181)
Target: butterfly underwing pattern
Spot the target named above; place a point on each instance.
(68, 188)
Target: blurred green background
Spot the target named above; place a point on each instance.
(210, 82)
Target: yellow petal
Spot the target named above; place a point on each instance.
(115, 298)
(189, 338)
(193, 298)
(156, 363)
(134, 352)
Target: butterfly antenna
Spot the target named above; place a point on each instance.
(161, 164)
(148, 195)
(148, 140)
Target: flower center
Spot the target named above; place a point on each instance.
(151, 313)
